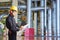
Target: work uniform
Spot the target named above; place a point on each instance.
(12, 26)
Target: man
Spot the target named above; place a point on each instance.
(11, 24)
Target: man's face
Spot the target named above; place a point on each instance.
(14, 13)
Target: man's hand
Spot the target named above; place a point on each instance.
(23, 27)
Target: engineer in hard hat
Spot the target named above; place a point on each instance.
(11, 24)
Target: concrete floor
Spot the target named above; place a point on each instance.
(5, 37)
(27, 38)
(23, 38)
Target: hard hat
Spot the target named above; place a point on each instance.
(13, 8)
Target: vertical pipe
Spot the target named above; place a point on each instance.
(45, 19)
(45, 12)
(35, 19)
(35, 22)
(35, 3)
(42, 24)
(42, 19)
(58, 31)
(59, 18)
(29, 13)
(49, 24)
(55, 19)
(52, 28)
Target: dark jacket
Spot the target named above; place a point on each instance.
(11, 24)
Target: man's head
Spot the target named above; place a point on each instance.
(13, 10)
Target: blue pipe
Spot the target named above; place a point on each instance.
(55, 19)
(29, 13)
(42, 18)
(58, 26)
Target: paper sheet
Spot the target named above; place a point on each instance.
(21, 31)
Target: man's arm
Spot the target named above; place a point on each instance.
(14, 28)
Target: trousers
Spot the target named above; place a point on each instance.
(12, 36)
